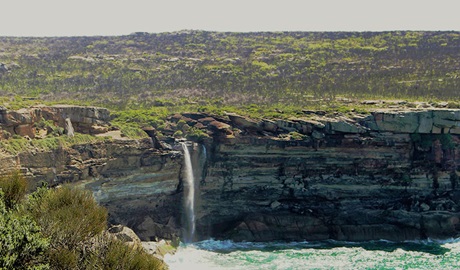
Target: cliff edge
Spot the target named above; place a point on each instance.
(387, 174)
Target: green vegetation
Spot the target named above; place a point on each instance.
(22, 246)
(70, 218)
(14, 188)
(196, 134)
(117, 255)
(60, 228)
(19, 144)
(297, 136)
(144, 77)
(198, 68)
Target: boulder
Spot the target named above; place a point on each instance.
(194, 115)
(269, 125)
(369, 121)
(92, 120)
(398, 122)
(446, 118)
(424, 121)
(455, 130)
(244, 123)
(206, 120)
(342, 126)
(25, 130)
(3, 68)
(216, 125)
(125, 235)
(425, 124)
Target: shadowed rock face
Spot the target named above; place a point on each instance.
(385, 175)
(137, 183)
(259, 190)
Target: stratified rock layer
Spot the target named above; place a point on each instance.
(135, 182)
(259, 190)
(387, 175)
(383, 175)
(23, 122)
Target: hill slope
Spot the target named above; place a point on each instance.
(283, 67)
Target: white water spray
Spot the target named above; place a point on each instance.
(204, 154)
(190, 195)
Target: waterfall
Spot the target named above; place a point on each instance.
(204, 154)
(190, 195)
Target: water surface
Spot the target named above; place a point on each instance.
(211, 254)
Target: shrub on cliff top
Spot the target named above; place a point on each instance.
(20, 144)
(196, 134)
(71, 218)
(22, 246)
(14, 187)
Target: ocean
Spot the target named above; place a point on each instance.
(212, 254)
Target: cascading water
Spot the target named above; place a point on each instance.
(204, 154)
(189, 196)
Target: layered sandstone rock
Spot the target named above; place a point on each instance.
(387, 175)
(383, 175)
(259, 190)
(136, 182)
(23, 122)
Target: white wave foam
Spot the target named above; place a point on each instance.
(228, 255)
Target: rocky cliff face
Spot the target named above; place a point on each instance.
(386, 175)
(135, 181)
(383, 175)
(23, 122)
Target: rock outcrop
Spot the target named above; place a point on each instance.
(23, 122)
(382, 175)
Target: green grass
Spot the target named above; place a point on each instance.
(17, 145)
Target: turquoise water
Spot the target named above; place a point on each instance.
(211, 254)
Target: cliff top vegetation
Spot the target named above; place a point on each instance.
(142, 70)
(145, 77)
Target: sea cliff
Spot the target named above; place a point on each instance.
(385, 174)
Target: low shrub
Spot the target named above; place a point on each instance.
(178, 134)
(111, 253)
(71, 218)
(14, 187)
(62, 228)
(68, 216)
(22, 245)
(296, 136)
(196, 134)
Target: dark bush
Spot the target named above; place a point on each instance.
(14, 187)
(71, 218)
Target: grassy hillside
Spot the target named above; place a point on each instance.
(197, 67)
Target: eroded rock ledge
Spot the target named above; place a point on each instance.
(88, 120)
(382, 175)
